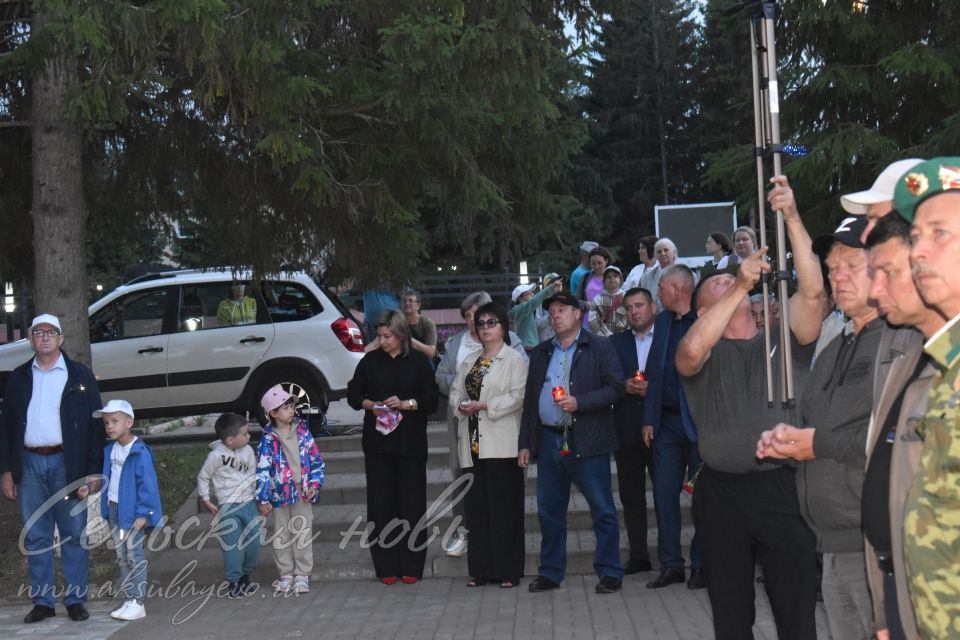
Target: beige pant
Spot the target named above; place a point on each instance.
(292, 547)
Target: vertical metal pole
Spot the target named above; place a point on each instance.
(759, 118)
(769, 15)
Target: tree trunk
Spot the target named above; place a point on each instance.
(658, 82)
(59, 210)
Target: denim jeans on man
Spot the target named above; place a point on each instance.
(44, 477)
(591, 475)
(130, 545)
(239, 530)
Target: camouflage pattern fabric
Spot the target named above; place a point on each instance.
(932, 516)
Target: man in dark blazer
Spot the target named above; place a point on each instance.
(567, 424)
(51, 459)
(634, 458)
(669, 426)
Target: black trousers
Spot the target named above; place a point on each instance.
(396, 500)
(494, 512)
(633, 463)
(742, 517)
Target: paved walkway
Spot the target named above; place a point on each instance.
(439, 608)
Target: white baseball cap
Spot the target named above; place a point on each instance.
(588, 246)
(882, 190)
(50, 319)
(521, 289)
(113, 406)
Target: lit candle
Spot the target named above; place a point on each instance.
(558, 393)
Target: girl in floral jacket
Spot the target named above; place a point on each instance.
(289, 477)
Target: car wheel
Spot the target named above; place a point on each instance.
(303, 387)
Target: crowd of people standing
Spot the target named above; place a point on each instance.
(664, 369)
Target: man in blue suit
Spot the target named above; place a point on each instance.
(669, 425)
(633, 456)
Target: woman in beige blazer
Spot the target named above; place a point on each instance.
(487, 396)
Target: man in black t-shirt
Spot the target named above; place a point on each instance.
(744, 509)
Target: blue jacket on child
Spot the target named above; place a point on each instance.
(139, 492)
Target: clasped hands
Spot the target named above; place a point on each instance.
(786, 441)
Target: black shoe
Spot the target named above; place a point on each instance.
(77, 612)
(38, 613)
(636, 566)
(245, 584)
(236, 590)
(667, 577)
(696, 580)
(608, 584)
(542, 583)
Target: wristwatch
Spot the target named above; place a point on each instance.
(412, 404)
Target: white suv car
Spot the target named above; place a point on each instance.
(176, 343)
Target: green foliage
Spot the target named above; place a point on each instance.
(323, 133)
(637, 103)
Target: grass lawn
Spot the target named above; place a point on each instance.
(177, 468)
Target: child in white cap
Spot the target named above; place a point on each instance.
(130, 503)
(289, 477)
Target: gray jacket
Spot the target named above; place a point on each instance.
(837, 402)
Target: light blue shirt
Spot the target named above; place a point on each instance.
(644, 343)
(43, 413)
(558, 375)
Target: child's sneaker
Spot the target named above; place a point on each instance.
(244, 583)
(282, 585)
(133, 610)
(301, 584)
(236, 590)
(119, 610)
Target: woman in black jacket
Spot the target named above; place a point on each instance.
(395, 387)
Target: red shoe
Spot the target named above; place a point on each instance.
(389, 580)
(410, 579)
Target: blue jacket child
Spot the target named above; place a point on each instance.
(139, 493)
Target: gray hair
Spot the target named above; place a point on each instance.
(680, 271)
(475, 299)
(666, 242)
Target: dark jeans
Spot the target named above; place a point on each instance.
(591, 475)
(633, 463)
(676, 460)
(494, 507)
(396, 500)
(740, 517)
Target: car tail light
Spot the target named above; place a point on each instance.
(348, 334)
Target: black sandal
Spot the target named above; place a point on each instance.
(509, 584)
(476, 582)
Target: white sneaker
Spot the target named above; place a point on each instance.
(282, 584)
(457, 545)
(133, 610)
(301, 584)
(116, 613)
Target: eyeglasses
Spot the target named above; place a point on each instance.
(488, 324)
(44, 333)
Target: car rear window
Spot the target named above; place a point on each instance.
(289, 301)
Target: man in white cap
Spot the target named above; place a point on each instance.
(51, 446)
(584, 267)
(877, 201)
(523, 311)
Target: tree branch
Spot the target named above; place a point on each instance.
(11, 124)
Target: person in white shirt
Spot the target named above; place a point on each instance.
(648, 262)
